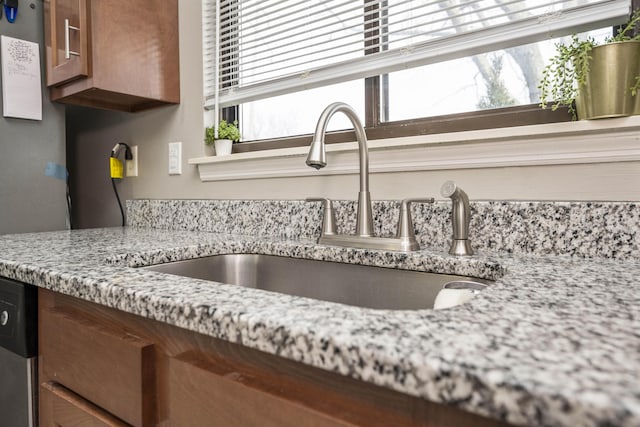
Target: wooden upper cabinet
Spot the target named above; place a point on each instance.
(117, 54)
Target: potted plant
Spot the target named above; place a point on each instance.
(601, 79)
(228, 133)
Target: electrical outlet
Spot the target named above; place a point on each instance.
(132, 165)
(175, 158)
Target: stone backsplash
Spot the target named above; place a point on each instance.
(585, 229)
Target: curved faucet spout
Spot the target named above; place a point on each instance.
(317, 159)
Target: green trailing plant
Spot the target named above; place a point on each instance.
(225, 131)
(568, 69)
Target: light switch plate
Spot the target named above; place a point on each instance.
(175, 158)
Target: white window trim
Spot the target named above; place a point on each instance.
(596, 141)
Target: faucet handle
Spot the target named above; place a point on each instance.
(329, 217)
(405, 225)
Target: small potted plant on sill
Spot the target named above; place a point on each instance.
(595, 81)
(228, 133)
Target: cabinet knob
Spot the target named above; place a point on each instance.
(4, 317)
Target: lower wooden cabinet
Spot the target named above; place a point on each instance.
(103, 367)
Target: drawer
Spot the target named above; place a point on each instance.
(100, 362)
(63, 408)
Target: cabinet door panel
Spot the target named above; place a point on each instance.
(67, 27)
(210, 395)
(103, 363)
(63, 408)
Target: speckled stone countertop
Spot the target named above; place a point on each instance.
(555, 341)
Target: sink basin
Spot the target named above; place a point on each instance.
(359, 285)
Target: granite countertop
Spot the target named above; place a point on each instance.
(555, 341)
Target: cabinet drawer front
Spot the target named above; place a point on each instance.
(63, 408)
(104, 364)
(208, 395)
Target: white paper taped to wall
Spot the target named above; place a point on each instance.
(21, 87)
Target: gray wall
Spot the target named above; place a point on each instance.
(93, 133)
(29, 200)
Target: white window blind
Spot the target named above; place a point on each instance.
(262, 48)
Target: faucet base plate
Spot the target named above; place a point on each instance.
(368, 242)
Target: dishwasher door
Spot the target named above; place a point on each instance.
(18, 383)
(18, 351)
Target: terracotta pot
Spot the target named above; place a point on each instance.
(612, 73)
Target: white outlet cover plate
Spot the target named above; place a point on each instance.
(132, 165)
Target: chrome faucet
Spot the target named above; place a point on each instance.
(317, 159)
(460, 218)
(405, 236)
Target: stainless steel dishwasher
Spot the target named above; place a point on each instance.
(18, 354)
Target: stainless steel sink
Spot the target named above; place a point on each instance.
(364, 286)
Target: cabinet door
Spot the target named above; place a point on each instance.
(206, 391)
(60, 407)
(101, 362)
(67, 38)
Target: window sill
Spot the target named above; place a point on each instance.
(597, 141)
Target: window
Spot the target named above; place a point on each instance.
(298, 112)
(396, 61)
(497, 79)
